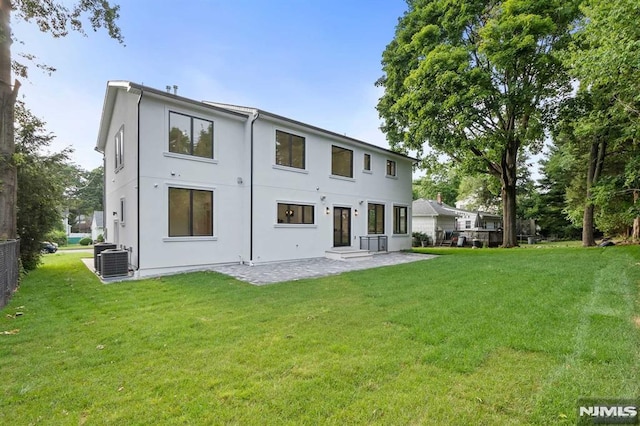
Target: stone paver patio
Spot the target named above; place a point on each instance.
(311, 268)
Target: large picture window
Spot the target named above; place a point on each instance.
(399, 220)
(190, 135)
(290, 150)
(295, 214)
(376, 219)
(190, 212)
(341, 161)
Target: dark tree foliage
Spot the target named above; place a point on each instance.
(474, 79)
(41, 185)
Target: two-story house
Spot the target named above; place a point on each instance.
(190, 184)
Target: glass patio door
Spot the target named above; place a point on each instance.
(341, 226)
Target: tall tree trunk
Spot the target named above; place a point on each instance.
(596, 161)
(635, 235)
(8, 94)
(508, 180)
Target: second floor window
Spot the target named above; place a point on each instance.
(341, 161)
(119, 149)
(289, 150)
(367, 162)
(190, 135)
(391, 168)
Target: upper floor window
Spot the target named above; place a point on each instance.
(376, 218)
(119, 149)
(391, 168)
(190, 135)
(295, 213)
(290, 150)
(341, 161)
(190, 212)
(367, 162)
(399, 219)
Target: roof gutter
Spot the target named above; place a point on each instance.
(137, 267)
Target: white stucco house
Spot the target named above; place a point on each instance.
(190, 184)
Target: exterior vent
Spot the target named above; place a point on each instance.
(97, 249)
(114, 263)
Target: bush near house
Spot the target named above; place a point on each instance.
(100, 238)
(85, 241)
(57, 236)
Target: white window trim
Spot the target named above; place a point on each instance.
(189, 157)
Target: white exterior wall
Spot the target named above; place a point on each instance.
(430, 224)
(273, 184)
(122, 183)
(160, 170)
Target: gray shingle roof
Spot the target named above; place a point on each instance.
(422, 207)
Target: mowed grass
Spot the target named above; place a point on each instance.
(472, 337)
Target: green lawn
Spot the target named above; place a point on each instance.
(484, 336)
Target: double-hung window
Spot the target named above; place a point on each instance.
(290, 150)
(399, 219)
(301, 214)
(391, 168)
(190, 135)
(341, 161)
(375, 218)
(367, 162)
(190, 212)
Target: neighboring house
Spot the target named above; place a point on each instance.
(433, 218)
(97, 225)
(190, 184)
(439, 221)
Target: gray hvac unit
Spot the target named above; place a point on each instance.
(114, 263)
(97, 249)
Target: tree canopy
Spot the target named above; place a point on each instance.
(474, 80)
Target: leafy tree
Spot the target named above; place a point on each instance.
(57, 19)
(549, 200)
(604, 60)
(440, 179)
(474, 80)
(42, 184)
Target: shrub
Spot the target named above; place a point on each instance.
(85, 241)
(56, 236)
(100, 238)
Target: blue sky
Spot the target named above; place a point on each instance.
(313, 61)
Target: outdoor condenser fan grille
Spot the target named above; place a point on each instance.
(114, 263)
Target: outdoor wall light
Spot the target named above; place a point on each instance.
(114, 213)
(355, 212)
(327, 210)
